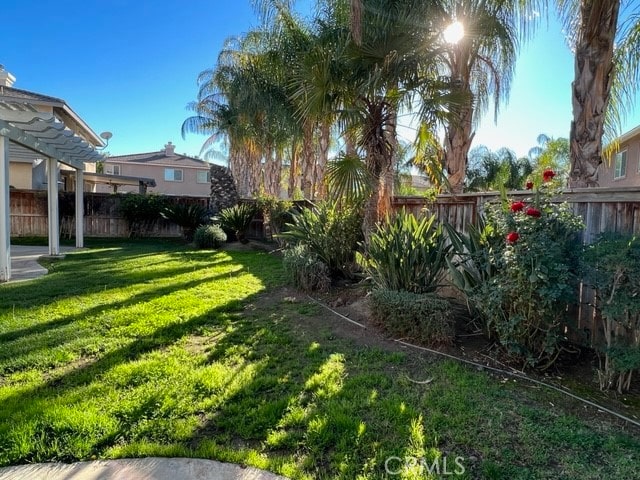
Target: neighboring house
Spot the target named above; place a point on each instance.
(624, 168)
(28, 169)
(39, 133)
(174, 174)
(413, 185)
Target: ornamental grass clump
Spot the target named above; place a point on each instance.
(535, 275)
(209, 236)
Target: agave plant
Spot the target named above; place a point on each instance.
(408, 254)
(236, 219)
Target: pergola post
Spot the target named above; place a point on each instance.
(52, 200)
(79, 208)
(5, 231)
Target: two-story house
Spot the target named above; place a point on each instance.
(174, 174)
(624, 168)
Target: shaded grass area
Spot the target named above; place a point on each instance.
(150, 349)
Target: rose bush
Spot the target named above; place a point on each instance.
(536, 276)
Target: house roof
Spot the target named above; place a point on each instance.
(625, 137)
(160, 159)
(17, 99)
(18, 94)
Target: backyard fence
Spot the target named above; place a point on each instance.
(101, 215)
(602, 210)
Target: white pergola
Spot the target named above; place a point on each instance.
(47, 135)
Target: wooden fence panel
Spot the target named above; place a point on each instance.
(29, 215)
(602, 210)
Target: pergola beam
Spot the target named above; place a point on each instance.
(40, 146)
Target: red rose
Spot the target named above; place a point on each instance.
(529, 186)
(548, 175)
(517, 206)
(533, 212)
(512, 237)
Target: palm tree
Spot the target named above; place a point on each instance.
(551, 153)
(244, 100)
(489, 170)
(607, 71)
(481, 66)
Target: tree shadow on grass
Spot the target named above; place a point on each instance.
(309, 405)
(25, 342)
(76, 383)
(72, 279)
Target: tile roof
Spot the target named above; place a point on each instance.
(28, 96)
(159, 158)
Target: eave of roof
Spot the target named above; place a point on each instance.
(158, 158)
(109, 179)
(634, 132)
(16, 95)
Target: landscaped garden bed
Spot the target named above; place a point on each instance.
(149, 348)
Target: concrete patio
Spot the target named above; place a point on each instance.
(24, 261)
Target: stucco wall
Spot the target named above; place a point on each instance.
(632, 177)
(188, 185)
(20, 175)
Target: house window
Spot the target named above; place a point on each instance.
(621, 165)
(112, 169)
(203, 176)
(172, 175)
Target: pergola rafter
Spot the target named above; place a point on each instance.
(46, 134)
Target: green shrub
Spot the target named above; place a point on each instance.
(534, 276)
(189, 217)
(612, 267)
(470, 259)
(425, 318)
(209, 236)
(277, 213)
(236, 220)
(329, 232)
(306, 270)
(141, 212)
(407, 254)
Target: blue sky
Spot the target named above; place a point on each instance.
(130, 67)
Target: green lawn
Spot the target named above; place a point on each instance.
(152, 349)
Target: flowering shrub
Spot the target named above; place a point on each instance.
(525, 301)
(548, 175)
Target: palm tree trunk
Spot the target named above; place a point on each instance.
(591, 87)
(356, 21)
(308, 160)
(254, 172)
(272, 167)
(392, 137)
(294, 172)
(320, 188)
(458, 138)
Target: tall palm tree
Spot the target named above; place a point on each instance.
(391, 69)
(607, 71)
(244, 99)
(481, 66)
(551, 153)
